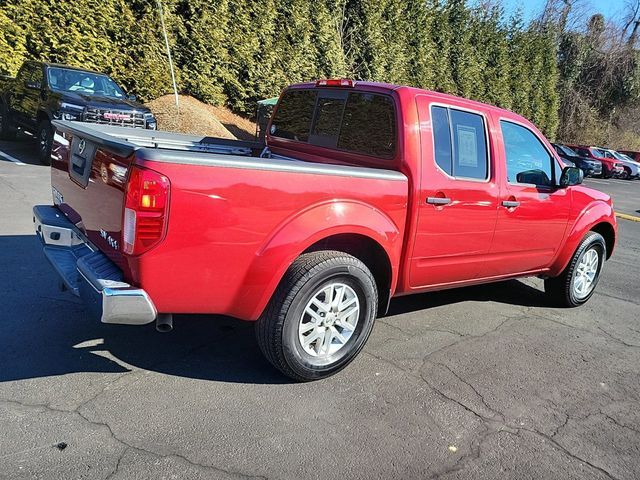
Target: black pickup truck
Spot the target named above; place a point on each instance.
(42, 92)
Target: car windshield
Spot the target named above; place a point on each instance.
(68, 80)
(567, 151)
(619, 156)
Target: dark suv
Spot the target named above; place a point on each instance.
(589, 166)
(42, 92)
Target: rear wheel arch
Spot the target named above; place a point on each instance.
(369, 252)
(335, 220)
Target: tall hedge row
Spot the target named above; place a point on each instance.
(235, 52)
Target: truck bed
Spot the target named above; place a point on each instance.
(234, 217)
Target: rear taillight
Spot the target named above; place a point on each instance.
(145, 210)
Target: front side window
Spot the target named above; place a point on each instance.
(358, 122)
(528, 161)
(460, 143)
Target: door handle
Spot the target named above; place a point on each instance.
(510, 203)
(438, 200)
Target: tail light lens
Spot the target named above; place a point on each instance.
(146, 206)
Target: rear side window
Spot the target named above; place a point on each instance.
(460, 143)
(357, 122)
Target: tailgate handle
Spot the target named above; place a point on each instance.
(438, 200)
(78, 164)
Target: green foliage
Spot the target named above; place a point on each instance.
(235, 52)
(12, 45)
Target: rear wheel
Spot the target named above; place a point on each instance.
(7, 130)
(45, 140)
(320, 316)
(625, 175)
(576, 284)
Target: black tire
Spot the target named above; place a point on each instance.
(45, 140)
(625, 175)
(277, 330)
(561, 288)
(7, 130)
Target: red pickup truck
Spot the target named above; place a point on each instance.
(360, 193)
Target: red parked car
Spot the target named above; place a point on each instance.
(362, 192)
(610, 166)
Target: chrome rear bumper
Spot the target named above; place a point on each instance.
(89, 274)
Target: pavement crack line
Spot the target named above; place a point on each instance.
(123, 442)
(567, 452)
(586, 330)
(428, 328)
(491, 426)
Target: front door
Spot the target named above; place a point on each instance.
(533, 212)
(458, 196)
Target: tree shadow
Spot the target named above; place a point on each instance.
(46, 332)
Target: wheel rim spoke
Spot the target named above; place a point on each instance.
(329, 320)
(586, 273)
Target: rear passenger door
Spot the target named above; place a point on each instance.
(533, 212)
(457, 196)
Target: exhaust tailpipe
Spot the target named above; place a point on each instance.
(164, 322)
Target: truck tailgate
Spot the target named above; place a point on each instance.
(88, 180)
(90, 166)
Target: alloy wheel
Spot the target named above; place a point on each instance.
(329, 320)
(586, 273)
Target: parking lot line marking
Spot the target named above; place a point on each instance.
(633, 218)
(11, 159)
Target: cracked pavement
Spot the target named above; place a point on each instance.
(483, 382)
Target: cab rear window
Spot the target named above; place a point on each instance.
(358, 122)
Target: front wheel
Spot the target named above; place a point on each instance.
(45, 140)
(320, 316)
(576, 284)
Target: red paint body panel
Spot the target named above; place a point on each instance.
(232, 232)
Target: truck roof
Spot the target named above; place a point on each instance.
(62, 65)
(445, 97)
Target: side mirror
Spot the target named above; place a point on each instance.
(132, 98)
(534, 177)
(32, 85)
(571, 176)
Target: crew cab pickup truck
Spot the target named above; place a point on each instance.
(360, 193)
(42, 92)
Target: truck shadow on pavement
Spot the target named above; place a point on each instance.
(46, 332)
(24, 149)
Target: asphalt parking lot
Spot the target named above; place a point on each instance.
(482, 382)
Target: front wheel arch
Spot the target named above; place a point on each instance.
(562, 289)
